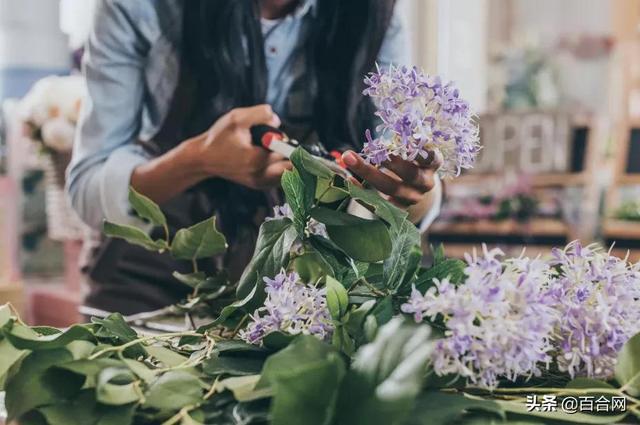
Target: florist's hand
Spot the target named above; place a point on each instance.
(227, 151)
(406, 183)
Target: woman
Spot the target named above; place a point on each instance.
(174, 87)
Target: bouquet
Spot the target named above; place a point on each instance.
(50, 111)
(335, 321)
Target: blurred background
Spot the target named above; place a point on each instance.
(556, 85)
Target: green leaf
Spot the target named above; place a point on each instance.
(337, 298)
(234, 365)
(201, 240)
(173, 390)
(383, 311)
(140, 370)
(134, 236)
(80, 348)
(437, 408)
(362, 240)
(9, 355)
(5, 314)
(117, 415)
(304, 378)
(90, 369)
(298, 199)
(197, 280)
(311, 266)
(117, 386)
(586, 383)
(308, 394)
(277, 340)
(306, 163)
(401, 265)
(628, 366)
(304, 349)
(169, 358)
(227, 311)
(357, 317)
(116, 329)
(36, 383)
(450, 268)
(146, 209)
(384, 209)
(327, 193)
(24, 338)
(244, 388)
(438, 254)
(270, 256)
(386, 376)
(80, 411)
(83, 410)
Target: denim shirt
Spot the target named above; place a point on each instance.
(131, 64)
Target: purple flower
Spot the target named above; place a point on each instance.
(291, 307)
(497, 324)
(419, 115)
(598, 296)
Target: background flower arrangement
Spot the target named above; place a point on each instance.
(50, 113)
(318, 329)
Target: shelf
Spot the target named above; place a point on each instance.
(621, 229)
(634, 254)
(630, 179)
(458, 250)
(535, 227)
(539, 180)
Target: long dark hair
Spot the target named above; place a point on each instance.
(224, 48)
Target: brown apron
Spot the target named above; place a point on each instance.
(129, 279)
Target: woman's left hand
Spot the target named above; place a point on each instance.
(406, 183)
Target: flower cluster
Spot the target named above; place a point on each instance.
(50, 111)
(420, 114)
(497, 324)
(291, 307)
(314, 227)
(509, 318)
(599, 297)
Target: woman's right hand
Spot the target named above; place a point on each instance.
(226, 151)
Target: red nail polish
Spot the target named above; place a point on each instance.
(350, 159)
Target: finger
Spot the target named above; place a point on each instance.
(273, 173)
(253, 115)
(275, 157)
(381, 181)
(408, 171)
(433, 161)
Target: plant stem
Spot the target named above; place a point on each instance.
(166, 233)
(237, 328)
(194, 263)
(123, 347)
(185, 411)
(372, 288)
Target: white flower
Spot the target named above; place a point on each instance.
(58, 134)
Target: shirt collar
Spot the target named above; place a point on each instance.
(304, 8)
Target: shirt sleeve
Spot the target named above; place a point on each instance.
(105, 153)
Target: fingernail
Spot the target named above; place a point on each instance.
(350, 158)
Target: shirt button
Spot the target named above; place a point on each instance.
(273, 50)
